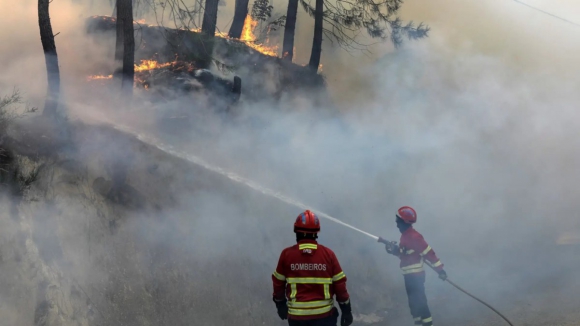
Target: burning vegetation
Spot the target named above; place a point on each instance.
(248, 36)
(165, 56)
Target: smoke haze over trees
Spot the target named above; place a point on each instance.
(476, 126)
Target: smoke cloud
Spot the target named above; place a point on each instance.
(476, 127)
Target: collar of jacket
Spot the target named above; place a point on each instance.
(307, 241)
(409, 230)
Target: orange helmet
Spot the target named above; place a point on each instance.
(307, 222)
(407, 214)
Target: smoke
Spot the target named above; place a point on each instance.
(475, 127)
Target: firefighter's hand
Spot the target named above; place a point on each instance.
(392, 248)
(282, 309)
(346, 316)
(442, 275)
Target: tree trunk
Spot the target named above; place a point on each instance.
(239, 18)
(50, 58)
(125, 15)
(289, 29)
(208, 25)
(118, 72)
(317, 41)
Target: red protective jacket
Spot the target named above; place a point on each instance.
(413, 250)
(309, 275)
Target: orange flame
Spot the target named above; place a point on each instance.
(248, 30)
(150, 65)
(249, 38)
(145, 65)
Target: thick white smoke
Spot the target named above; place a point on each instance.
(476, 127)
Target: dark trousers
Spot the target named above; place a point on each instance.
(415, 286)
(326, 321)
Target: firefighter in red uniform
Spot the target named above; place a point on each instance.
(413, 251)
(307, 278)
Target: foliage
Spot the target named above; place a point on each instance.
(261, 10)
(7, 111)
(344, 20)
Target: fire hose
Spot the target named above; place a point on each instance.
(393, 243)
(269, 192)
(386, 242)
(481, 301)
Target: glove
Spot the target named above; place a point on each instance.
(442, 275)
(392, 248)
(282, 308)
(346, 317)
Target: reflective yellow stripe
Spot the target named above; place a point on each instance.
(326, 291)
(410, 251)
(411, 271)
(437, 264)
(308, 312)
(310, 304)
(428, 320)
(279, 276)
(418, 265)
(309, 280)
(417, 319)
(307, 246)
(292, 292)
(338, 276)
(426, 251)
(415, 268)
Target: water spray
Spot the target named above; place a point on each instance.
(169, 149)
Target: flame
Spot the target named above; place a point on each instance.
(145, 65)
(150, 65)
(248, 30)
(249, 38)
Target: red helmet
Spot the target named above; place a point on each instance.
(407, 214)
(307, 222)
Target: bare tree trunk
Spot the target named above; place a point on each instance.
(208, 25)
(125, 15)
(118, 72)
(50, 58)
(317, 41)
(239, 18)
(289, 29)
